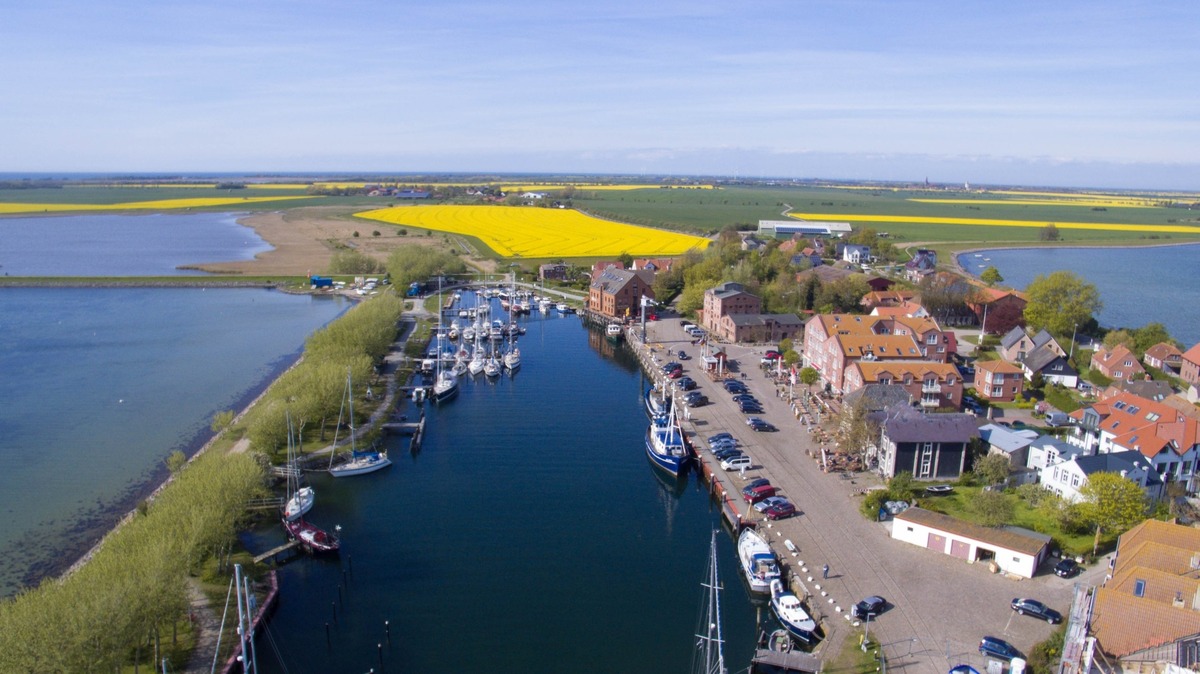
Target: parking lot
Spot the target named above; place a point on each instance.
(938, 607)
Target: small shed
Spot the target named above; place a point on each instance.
(1013, 550)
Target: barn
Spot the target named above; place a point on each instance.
(1013, 550)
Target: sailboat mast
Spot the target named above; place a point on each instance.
(711, 657)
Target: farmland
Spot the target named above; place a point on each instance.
(155, 205)
(539, 232)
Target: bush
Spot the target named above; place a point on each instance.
(872, 503)
(1044, 655)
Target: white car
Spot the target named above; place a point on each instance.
(769, 501)
(737, 463)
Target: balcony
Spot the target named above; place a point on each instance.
(930, 401)
(931, 387)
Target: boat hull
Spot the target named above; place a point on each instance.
(298, 505)
(361, 466)
(668, 461)
(758, 561)
(313, 539)
(786, 607)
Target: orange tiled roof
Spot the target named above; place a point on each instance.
(1001, 366)
(883, 347)
(1125, 624)
(1193, 354)
(917, 368)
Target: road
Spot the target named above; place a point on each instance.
(939, 606)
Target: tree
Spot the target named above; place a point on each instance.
(1059, 302)
(790, 357)
(991, 276)
(1148, 335)
(1112, 504)
(809, 376)
(856, 430)
(902, 486)
(1005, 317)
(993, 469)
(176, 461)
(1120, 337)
(1050, 233)
(350, 261)
(222, 420)
(993, 508)
(945, 297)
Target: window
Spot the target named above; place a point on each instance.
(1074, 480)
(908, 528)
(1139, 588)
(1063, 479)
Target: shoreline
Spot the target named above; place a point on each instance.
(964, 251)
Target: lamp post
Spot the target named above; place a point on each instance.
(1074, 327)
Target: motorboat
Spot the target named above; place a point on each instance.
(758, 561)
(614, 332)
(788, 609)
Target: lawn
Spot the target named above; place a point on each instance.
(957, 504)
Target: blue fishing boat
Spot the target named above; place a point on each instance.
(666, 444)
(658, 404)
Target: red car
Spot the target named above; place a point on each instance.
(780, 511)
(759, 493)
(675, 374)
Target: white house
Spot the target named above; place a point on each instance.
(1066, 478)
(856, 253)
(1046, 451)
(1014, 550)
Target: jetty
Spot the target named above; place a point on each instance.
(272, 554)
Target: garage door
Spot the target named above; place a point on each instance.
(936, 542)
(960, 549)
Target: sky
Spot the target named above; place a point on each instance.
(1065, 93)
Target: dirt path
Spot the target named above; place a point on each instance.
(207, 624)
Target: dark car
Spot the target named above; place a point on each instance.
(1037, 609)
(686, 384)
(732, 384)
(750, 408)
(778, 512)
(740, 397)
(683, 355)
(722, 445)
(672, 366)
(759, 493)
(1067, 568)
(721, 436)
(998, 648)
(716, 443)
(696, 401)
(868, 608)
(756, 482)
(723, 454)
(763, 427)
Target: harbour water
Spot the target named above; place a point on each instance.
(101, 385)
(529, 534)
(1137, 285)
(123, 245)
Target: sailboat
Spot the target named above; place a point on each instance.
(299, 499)
(445, 384)
(512, 359)
(359, 463)
(709, 657)
(476, 364)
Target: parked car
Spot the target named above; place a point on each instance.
(763, 427)
(1000, 649)
(750, 408)
(1035, 608)
(756, 482)
(741, 397)
(1067, 567)
(685, 384)
(729, 453)
(737, 462)
(769, 502)
(772, 354)
(780, 511)
(731, 384)
(750, 421)
(696, 401)
(759, 493)
(683, 355)
(721, 436)
(675, 374)
(722, 446)
(868, 608)
(672, 366)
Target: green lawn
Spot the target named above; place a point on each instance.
(957, 504)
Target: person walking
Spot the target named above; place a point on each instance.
(825, 572)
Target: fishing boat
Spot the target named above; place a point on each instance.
(666, 445)
(758, 561)
(360, 462)
(658, 403)
(709, 656)
(314, 539)
(564, 308)
(544, 306)
(299, 499)
(791, 613)
(614, 332)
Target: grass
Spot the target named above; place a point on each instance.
(850, 657)
(958, 504)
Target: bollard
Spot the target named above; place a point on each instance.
(379, 649)
(387, 629)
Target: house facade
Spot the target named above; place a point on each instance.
(929, 446)
(761, 328)
(1017, 344)
(999, 381)
(1163, 356)
(1066, 478)
(833, 341)
(616, 293)
(998, 303)
(930, 385)
(1053, 367)
(1167, 437)
(552, 272)
(1189, 366)
(725, 299)
(856, 253)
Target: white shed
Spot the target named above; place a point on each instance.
(1013, 550)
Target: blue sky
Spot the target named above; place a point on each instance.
(1040, 93)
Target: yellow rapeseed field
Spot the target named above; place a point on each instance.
(586, 186)
(1176, 229)
(514, 231)
(159, 205)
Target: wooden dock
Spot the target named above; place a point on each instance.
(271, 554)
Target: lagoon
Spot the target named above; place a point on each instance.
(1137, 285)
(101, 385)
(123, 245)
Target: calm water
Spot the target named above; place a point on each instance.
(1137, 285)
(100, 385)
(123, 245)
(529, 534)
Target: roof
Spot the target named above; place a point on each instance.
(1116, 357)
(1163, 351)
(917, 368)
(1004, 439)
(1065, 450)
(1117, 462)
(1001, 538)
(612, 279)
(1001, 366)
(786, 320)
(1145, 425)
(910, 425)
(1043, 356)
(1042, 338)
(1012, 337)
(729, 289)
(883, 347)
(1151, 389)
(1125, 624)
(878, 396)
(1193, 354)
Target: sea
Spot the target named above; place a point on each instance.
(1136, 285)
(527, 533)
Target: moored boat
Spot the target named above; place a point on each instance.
(791, 613)
(758, 561)
(614, 332)
(314, 539)
(360, 462)
(658, 404)
(666, 445)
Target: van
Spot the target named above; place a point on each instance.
(737, 463)
(688, 327)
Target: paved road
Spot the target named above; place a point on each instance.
(939, 605)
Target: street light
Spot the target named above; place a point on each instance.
(1074, 327)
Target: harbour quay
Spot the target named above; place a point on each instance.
(937, 607)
